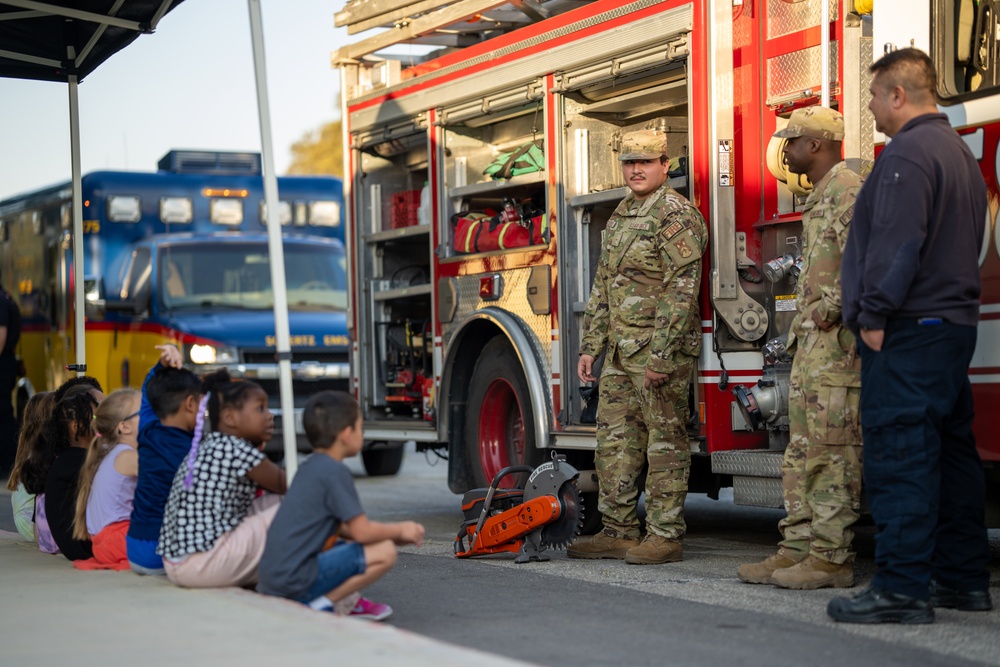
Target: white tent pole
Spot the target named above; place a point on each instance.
(275, 245)
(79, 315)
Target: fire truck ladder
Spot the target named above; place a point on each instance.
(443, 23)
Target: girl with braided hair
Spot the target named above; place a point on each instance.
(213, 527)
(69, 432)
(42, 451)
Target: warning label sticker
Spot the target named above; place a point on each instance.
(726, 163)
(784, 303)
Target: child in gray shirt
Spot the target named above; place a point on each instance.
(321, 507)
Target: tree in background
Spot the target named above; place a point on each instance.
(319, 152)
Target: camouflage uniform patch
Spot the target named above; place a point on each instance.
(681, 251)
(673, 230)
(821, 471)
(643, 309)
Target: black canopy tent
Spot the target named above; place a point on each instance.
(64, 41)
(52, 41)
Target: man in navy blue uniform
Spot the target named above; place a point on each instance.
(910, 284)
(10, 333)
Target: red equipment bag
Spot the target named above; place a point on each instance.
(483, 231)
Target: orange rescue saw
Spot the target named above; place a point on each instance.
(546, 513)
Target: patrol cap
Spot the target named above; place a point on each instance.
(643, 145)
(815, 121)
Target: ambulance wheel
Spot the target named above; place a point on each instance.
(499, 421)
(382, 458)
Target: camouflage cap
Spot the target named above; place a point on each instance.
(815, 121)
(643, 145)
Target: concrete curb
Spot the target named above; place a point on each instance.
(56, 615)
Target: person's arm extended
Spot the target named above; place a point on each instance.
(904, 199)
(170, 357)
(269, 477)
(3, 337)
(363, 531)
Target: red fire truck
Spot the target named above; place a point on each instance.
(466, 330)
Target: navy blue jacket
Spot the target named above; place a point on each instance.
(913, 250)
(161, 451)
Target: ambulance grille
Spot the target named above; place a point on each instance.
(267, 357)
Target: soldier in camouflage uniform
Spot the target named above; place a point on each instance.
(821, 472)
(643, 310)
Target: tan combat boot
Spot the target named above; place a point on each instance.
(761, 573)
(655, 550)
(812, 573)
(601, 545)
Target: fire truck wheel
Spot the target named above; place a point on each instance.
(382, 458)
(499, 418)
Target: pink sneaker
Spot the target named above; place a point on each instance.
(372, 611)
(345, 606)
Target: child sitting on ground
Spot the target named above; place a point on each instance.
(167, 415)
(36, 413)
(322, 501)
(107, 482)
(213, 527)
(71, 424)
(40, 454)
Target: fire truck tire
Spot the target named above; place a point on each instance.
(499, 416)
(382, 459)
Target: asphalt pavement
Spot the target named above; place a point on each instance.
(571, 613)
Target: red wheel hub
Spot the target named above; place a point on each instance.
(501, 431)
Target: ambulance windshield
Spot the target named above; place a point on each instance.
(238, 275)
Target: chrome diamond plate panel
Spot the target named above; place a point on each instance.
(748, 462)
(784, 17)
(799, 70)
(867, 118)
(758, 492)
(514, 300)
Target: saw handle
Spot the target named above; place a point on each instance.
(489, 497)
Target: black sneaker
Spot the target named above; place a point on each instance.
(963, 601)
(874, 605)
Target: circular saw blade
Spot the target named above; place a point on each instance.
(560, 533)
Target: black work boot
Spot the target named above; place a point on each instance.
(948, 598)
(874, 605)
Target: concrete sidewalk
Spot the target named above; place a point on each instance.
(56, 615)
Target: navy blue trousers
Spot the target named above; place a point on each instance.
(8, 422)
(923, 476)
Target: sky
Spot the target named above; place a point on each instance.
(189, 85)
